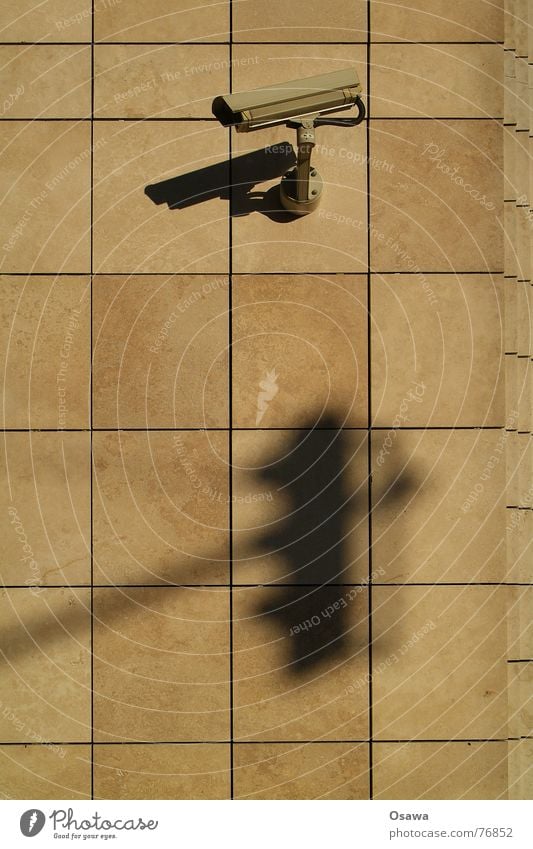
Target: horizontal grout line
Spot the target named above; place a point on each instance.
(259, 742)
(108, 43)
(361, 43)
(96, 120)
(434, 118)
(266, 585)
(374, 273)
(452, 740)
(209, 118)
(287, 428)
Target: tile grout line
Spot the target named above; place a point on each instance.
(230, 411)
(268, 742)
(147, 119)
(240, 43)
(261, 429)
(99, 44)
(369, 416)
(273, 586)
(91, 234)
(452, 272)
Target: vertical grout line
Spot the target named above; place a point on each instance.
(91, 397)
(230, 407)
(369, 413)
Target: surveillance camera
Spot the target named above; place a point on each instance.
(302, 105)
(284, 102)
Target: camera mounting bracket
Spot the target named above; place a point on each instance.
(301, 186)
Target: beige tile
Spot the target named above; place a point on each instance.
(160, 351)
(522, 318)
(521, 614)
(523, 379)
(520, 10)
(522, 98)
(509, 153)
(45, 509)
(46, 677)
(45, 772)
(45, 81)
(51, 20)
(274, 20)
(138, 225)
(300, 505)
(437, 20)
(312, 771)
(437, 80)
(510, 259)
(438, 505)
(159, 81)
(519, 530)
(510, 315)
(310, 332)
(161, 669)
(439, 662)
(45, 220)
(514, 624)
(437, 350)
(525, 449)
(162, 772)
(440, 770)
(521, 769)
(160, 508)
(333, 238)
(301, 663)
(45, 352)
(436, 200)
(162, 20)
(512, 462)
(520, 691)
(258, 65)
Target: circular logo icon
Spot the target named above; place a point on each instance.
(32, 822)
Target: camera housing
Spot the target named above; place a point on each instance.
(277, 104)
(302, 105)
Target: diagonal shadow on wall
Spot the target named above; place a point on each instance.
(247, 171)
(310, 538)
